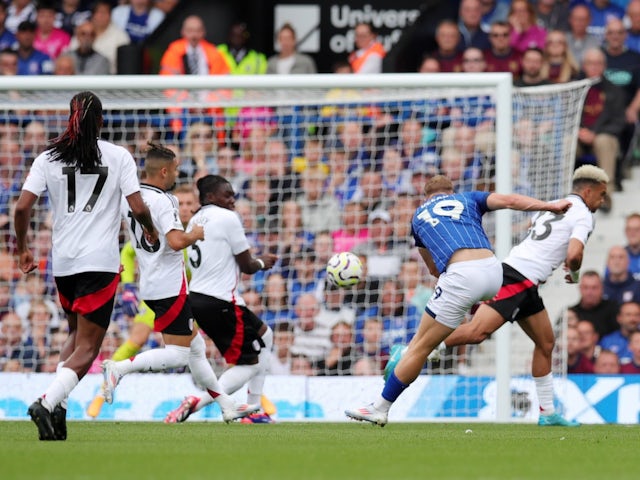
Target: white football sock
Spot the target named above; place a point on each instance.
(204, 375)
(65, 381)
(171, 356)
(234, 378)
(256, 384)
(544, 387)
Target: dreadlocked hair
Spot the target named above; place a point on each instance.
(209, 184)
(78, 144)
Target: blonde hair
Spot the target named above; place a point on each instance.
(438, 184)
(590, 173)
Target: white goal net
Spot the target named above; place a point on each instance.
(320, 164)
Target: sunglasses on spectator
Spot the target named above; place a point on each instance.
(475, 60)
(503, 35)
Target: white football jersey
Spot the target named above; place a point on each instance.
(86, 208)
(545, 247)
(161, 267)
(214, 270)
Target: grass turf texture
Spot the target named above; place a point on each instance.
(119, 451)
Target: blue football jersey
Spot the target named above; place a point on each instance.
(446, 223)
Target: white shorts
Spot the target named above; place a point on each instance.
(462, 286)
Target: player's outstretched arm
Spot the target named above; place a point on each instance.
(249, 264)
(514, 201)
(428, 260)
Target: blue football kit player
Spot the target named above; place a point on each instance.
(448, 232)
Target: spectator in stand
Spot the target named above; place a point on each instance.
(30, 60)
(8, 62)
(19, 11)
(333, 308)
(469, 25)
(354, 229)
(367, 58)
(302, 365)
(72, 13)
(17, 347)
(400, 319)
(633, 32)
(242, 59)
(417, 290)
(448, 38)
(559, 63)
(619, 284)
(292, 238)
(429, 64)
(49, 39)
(494, 11)
(525, 31)
(385, 252)
(39, 333)
(192, 54)
(601, 122)
(633, 366)
(618, 342)
(577, 362)
(370, 346)
(199, 152)
(593, 306)
(108, 36)
(552, 14)
(589, 339)
(632, 234)
(365, 293)
(7, 38)
(395, 177)
(276, 301)
(310, 338)
(369, 191)
(500, 57)
(473, 60)
(339, 359)
(305, 277)
(601, 12)
(607, 363)
(315, 203)
(578, 38)
(288, 60)
(622, 63)
(284, 181)
(413, 151)
(87, 60)
(65, 64)
(139, 19)
(281, 355)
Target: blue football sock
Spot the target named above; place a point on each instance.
(393, 388)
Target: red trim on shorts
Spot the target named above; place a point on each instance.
(93, 301)
(508, 291)
(235, 348)
(170, 315)
(64, 301)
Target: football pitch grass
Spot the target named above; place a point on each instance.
(127, 450)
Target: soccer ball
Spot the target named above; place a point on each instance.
(344, 269)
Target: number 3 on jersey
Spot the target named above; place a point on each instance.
(444, 208)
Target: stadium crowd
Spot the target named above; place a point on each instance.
(291, 186)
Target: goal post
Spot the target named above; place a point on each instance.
(477, 128)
